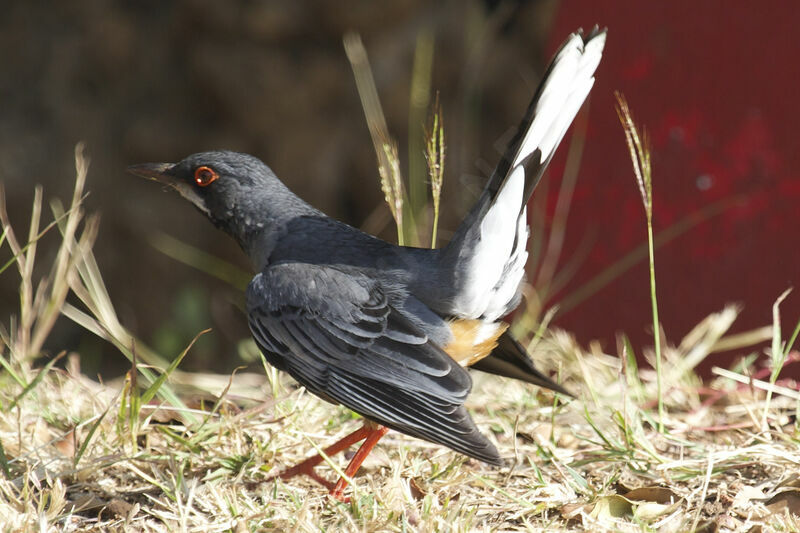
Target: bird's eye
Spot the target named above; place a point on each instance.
(203, 176)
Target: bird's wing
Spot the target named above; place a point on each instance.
(344, 337)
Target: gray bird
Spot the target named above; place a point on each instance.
(387, 330)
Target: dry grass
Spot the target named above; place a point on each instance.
(597, 463)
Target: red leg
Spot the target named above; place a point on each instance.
(375, 434)
(369, 431)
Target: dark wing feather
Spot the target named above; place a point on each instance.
(340, 336)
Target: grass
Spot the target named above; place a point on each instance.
(163, 450)
(639, 148)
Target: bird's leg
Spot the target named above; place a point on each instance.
(306, 468)
(375, 434)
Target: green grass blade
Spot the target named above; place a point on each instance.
(35, 382)
(200, 260)
(7, 367)
(639, 149)
(153, 388)
(191, 445)
(92, 325)
(88, 439)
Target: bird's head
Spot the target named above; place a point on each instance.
(237, 192)
(218, 183)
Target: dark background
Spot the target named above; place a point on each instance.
(715, 83)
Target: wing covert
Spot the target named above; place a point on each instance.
(345, 337)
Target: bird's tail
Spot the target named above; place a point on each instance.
(488, 253)
(510, 360)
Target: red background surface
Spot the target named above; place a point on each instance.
(716, 85)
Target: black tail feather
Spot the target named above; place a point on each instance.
(510, 360)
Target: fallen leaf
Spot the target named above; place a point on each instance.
(416, 491)
(612, 506)
(707, 526)
(790, 482)
(87, 501)
(571, 510)
(725, 521)
(787, 500)
(651, 510)
(653, 494)
(745, 494)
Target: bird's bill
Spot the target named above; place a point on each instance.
(161, 172)
(153, 171)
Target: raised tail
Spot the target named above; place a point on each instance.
(488, 253)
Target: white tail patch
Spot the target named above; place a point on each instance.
(494, 246)
(496, 264)
(565, 89)
(505, 291)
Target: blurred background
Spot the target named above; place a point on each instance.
(714, 83)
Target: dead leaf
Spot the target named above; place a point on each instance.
(87, 501)
(645, 503)
(787, 500)
(611, 507)
(571, 510)
(707, 526)
(745, 495)
(729, 523)
(790, 482)
(653, 502)
(653, 494)
(651, 510)
(416, 491)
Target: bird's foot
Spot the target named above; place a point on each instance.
(370, 433)
(306, 468)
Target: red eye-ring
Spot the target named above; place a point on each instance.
(203, 176)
